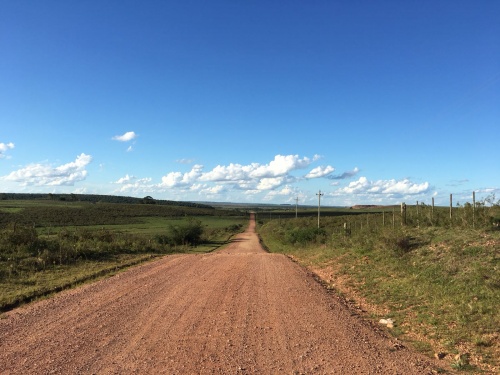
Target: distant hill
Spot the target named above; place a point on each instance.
(95, 198)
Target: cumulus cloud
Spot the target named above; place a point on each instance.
(47, 175)
(320, 172)
(270, 183)
(212, 191)
(251, 179)
(128, 136)
(280, 166)
(132, 184)
(178, 179)
(287, 191)
(345, 175)
(125, 180)
(4, 147)
(387, 187)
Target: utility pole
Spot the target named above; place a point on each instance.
(320, 194)
(296, 204)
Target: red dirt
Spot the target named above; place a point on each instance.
(237, 310)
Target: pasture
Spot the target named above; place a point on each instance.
(49, 245)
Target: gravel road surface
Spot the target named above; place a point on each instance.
(239, 310)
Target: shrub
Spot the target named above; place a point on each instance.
(399, 242)
(19, 238)
(303, 236)
(187, 233)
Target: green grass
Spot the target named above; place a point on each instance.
(28, 286)
(441, 285)
(56, 253)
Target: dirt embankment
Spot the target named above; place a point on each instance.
(238, 310)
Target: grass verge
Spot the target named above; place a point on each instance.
(441, 286)
(30, 286)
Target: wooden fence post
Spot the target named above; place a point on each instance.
(432, 211)
(418, 217)
(403, 213)
(451, 207)
(473, 209)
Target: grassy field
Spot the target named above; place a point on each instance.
(440, 284)
(46, 246)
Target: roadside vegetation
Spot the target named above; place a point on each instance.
(437, 278)
(48, 245)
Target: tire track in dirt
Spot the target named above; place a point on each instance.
(237, 310)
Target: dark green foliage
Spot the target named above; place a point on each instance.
(79, 214)
(397, 241)
(186, 233)
(233, 228)
(100, 199)
(304, 235)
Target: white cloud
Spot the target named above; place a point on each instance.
(128, 136)
(4, 147)
(286, 191)
(320, 172)
(270, 183)
(125, 180)
(47, 175)
(231, 172)
(253, 177)
(130, 149)
(212, 191)
(178, 179)
(250, 179)
(280, 166)
(131, 184)
(255, 173)
(387, 187)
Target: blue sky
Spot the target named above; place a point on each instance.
(371, 102)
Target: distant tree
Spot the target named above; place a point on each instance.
(148, 200)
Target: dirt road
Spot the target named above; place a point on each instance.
(239, 310)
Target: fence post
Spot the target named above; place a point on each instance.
(432, 212)
(393, 217)
(418, 217)
(403, 213)
(473, 209)
(451, 207)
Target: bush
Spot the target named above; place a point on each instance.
(187, 233)
(399, 242)
(303, 236)
(19, 238)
